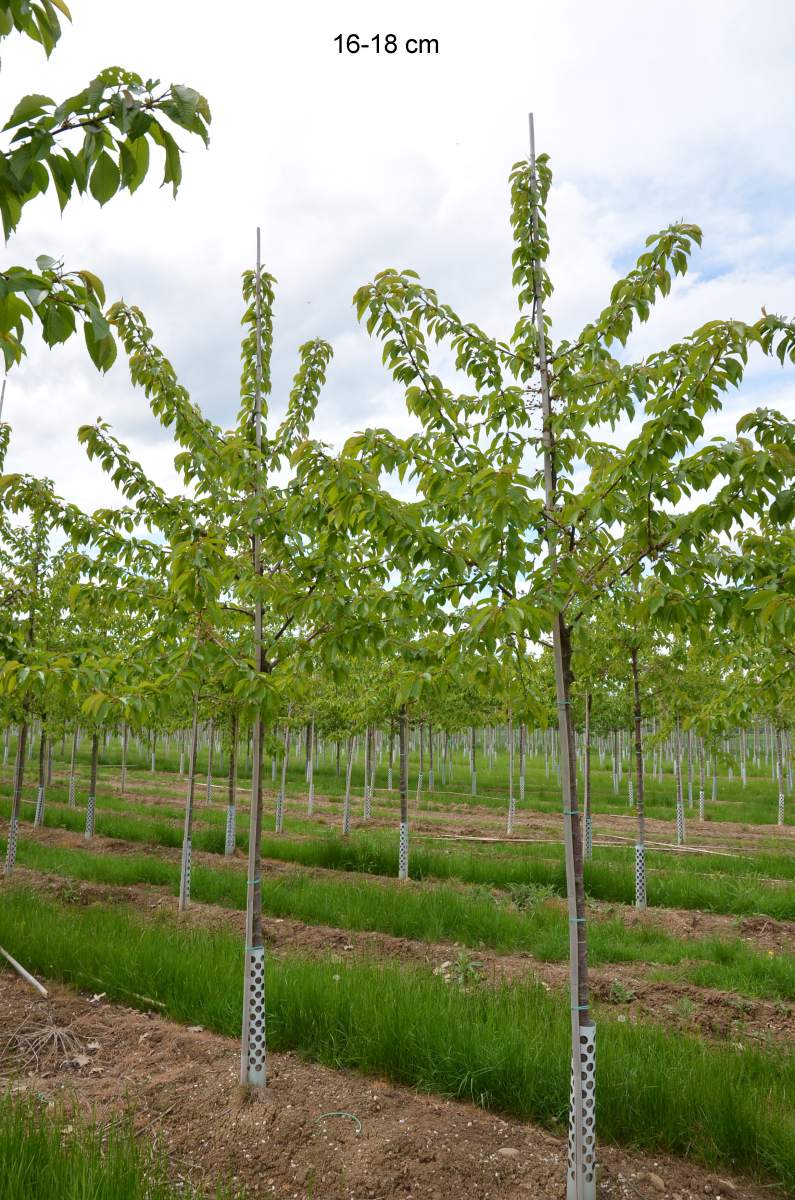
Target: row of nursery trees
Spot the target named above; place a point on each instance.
(531, 531)
(682, 721)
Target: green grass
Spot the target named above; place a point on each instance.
(58, 1156)
(439, 912)
(505, 1048)
(737, 895)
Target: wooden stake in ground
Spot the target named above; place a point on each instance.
(581, 1178)
(26, 975)
(253, 1057)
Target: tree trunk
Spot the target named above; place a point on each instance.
(310, 803)
(210, 748)
(586, 779)
(187, 832)
(283, 781)
(346, 806)
(38, 819)
(430, 757)
(369, 755)
(391, 761)
(124, 736)
(780, 776)
(680, 808)
(231, 806)
(511, 797)
(72, 759)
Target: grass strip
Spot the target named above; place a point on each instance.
(438, 913)
(55, 1155)
(741, 895)
(506, 1048)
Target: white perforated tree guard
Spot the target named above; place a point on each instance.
(346, 815)
(90, 816)
(11, 848)
(588, 837)
(640, 876)
(71, 791)
(403, 852)
(39, 816)
(781, 808)
(474, 783)
(511, 812)
(253, 1042)
(630, 793)
(419, 788)
(586, 1134)
(680, 823)
(701, 804)
(229, 842)
(184, 878)
(181, 763)
(367, 802)
(389, 779)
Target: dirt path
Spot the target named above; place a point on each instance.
(183, 1085)
(629, 991)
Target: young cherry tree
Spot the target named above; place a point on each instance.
(537, 517)
(248, 580)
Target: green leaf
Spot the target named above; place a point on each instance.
(58, 323)
(102, 349)
(134, 158)
(94, 284)
(27, 108)
(173, 167)
(105, 178)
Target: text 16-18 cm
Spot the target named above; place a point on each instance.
(385, 43)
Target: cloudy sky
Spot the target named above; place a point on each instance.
(651, 113)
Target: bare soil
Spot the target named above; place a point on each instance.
(321, 1133)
